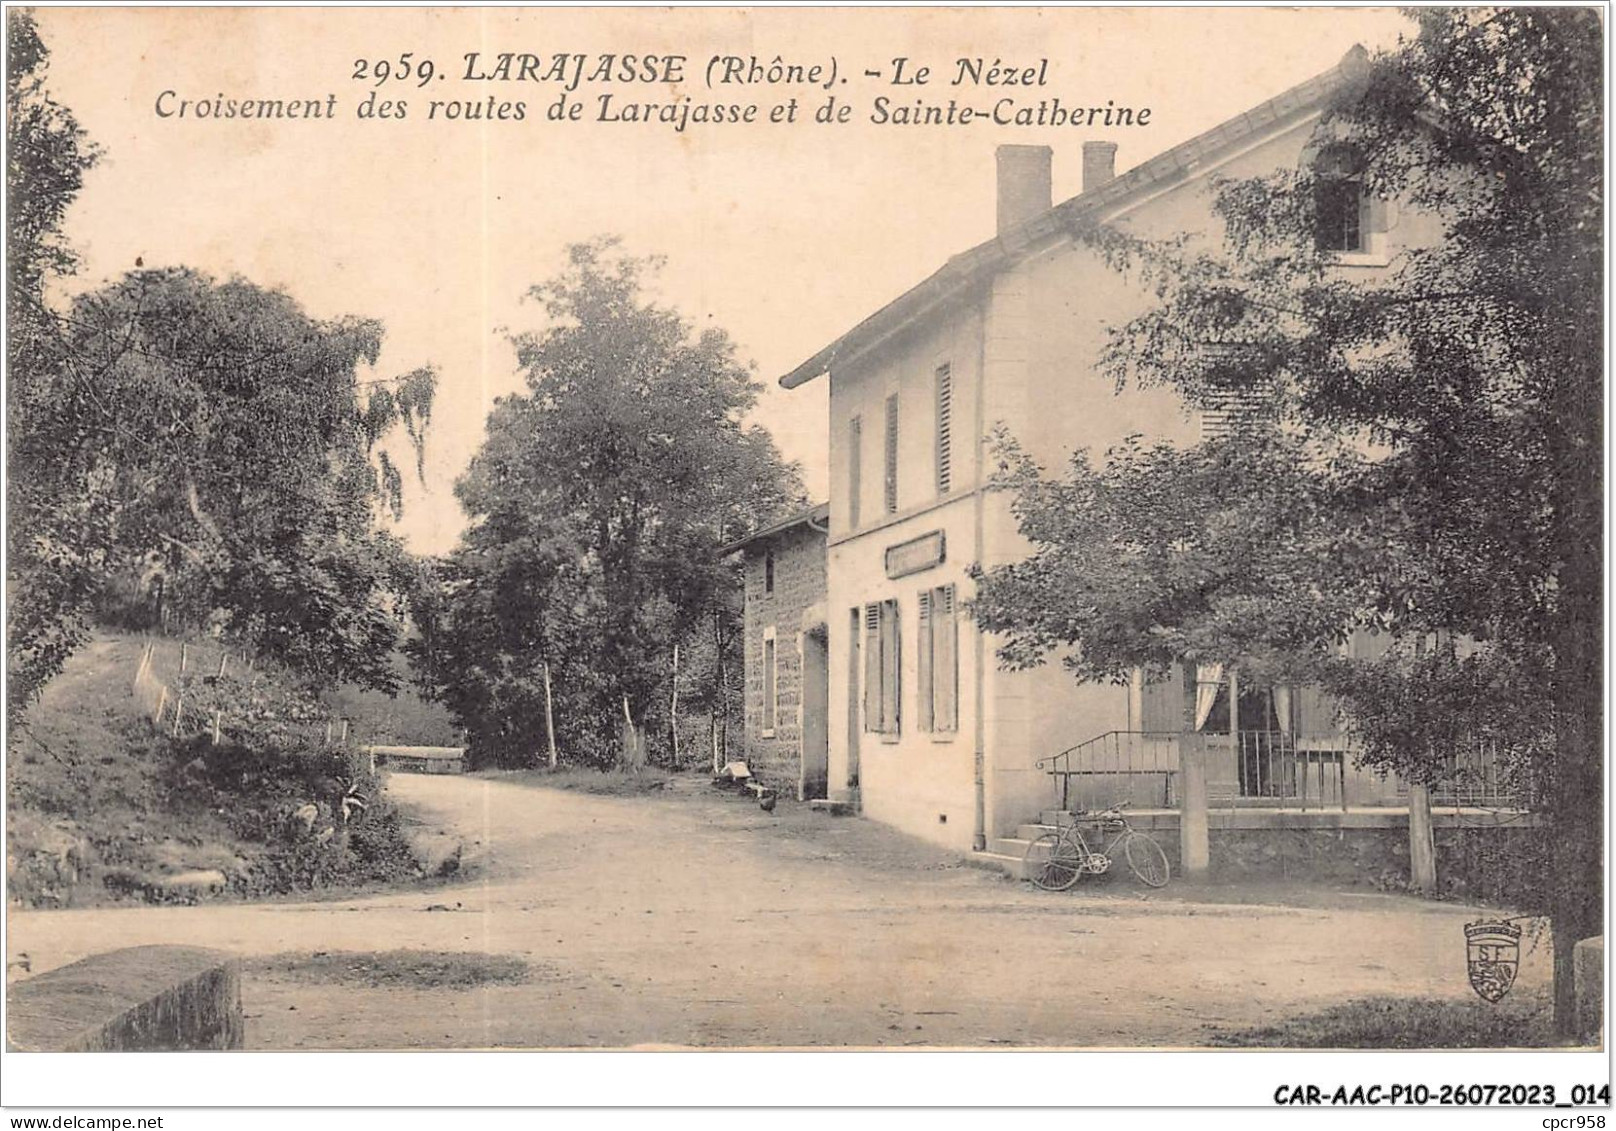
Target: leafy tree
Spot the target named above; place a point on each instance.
(1430, 465)
(211, 438)
(215, 437)
(47, 158)
(597, 504)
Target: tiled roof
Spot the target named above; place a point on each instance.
(818, 514)
(1161, 171)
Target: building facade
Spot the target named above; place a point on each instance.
(926, 732)
(786, 654)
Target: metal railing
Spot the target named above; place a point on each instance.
(1269, 769)
(1481, 774)
(1277, 769)
(1140, 767)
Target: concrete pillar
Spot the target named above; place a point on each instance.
(1421, 841)
(1194, 854)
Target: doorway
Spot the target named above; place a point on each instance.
(855, 628)
(815, 714)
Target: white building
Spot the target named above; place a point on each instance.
(925, 732)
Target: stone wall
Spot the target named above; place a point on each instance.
(420, 759)
(799, 584)
(1500, 866)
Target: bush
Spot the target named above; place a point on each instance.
(317, 814)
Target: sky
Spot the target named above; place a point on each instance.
(783, 234)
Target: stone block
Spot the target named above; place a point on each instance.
(143, 998)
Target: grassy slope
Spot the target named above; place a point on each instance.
(85, 783)
(89, 783)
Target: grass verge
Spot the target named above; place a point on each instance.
(1522, 1020)
(393, 969)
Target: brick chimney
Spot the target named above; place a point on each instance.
(1099, 163)
(1025, 183)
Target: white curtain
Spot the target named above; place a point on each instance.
(1282, 707)
(1208, 681)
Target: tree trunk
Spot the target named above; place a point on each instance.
(673, 711)
(633, 756)
(720, 693)
(1577, 799)
(1578, 795)
(549, 718)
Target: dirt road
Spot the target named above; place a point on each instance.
(695, 919)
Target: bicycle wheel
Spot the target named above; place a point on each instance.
(1146, 860)
(1053, 862)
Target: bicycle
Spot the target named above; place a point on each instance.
(1057, 860)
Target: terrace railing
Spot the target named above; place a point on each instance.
(1480, 774)
(1268, 769)
(1139, 767)
(1277, 769)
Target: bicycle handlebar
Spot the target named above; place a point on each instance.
(1109, 811)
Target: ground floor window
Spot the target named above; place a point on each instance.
(939, 661)
(881, 667)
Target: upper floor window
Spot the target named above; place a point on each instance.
(1339, 203)
(768, 571)
(855, 467)
(945, 423)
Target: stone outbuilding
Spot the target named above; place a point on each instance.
(787, 653)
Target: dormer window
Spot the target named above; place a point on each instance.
(1339, 204)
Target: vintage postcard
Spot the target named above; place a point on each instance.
(795, 528)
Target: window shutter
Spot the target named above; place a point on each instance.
(891, 482)
(924, 664)
(1161, 699)
(1229, 412)
(872, 667)
(855, 467)
(890, 667)
(945, 420)
(945, 632)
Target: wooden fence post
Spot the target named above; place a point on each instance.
(179, 710)
(217, 718)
